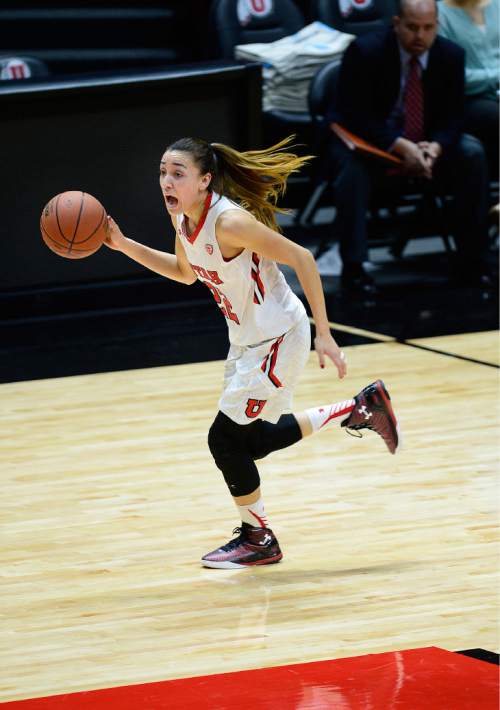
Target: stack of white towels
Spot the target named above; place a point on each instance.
(290, 63)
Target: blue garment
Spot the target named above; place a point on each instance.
(482, 46)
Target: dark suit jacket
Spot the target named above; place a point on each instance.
(369, 84)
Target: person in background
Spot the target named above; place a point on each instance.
(402, 89)
(474, 25)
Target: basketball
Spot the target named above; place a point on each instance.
(73, 224)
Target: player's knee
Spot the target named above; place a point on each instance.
(223, 439)
(266, 438)
(259, 439)
(226, 441)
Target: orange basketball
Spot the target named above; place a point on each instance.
(73, 224)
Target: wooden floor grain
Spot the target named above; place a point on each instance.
(478, 346)
(110, 498)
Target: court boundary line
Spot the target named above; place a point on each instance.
(466, 358)
(353, 330)
(383, 338)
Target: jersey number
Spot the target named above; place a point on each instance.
(223, 302)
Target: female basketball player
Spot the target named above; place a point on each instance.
(223, 207)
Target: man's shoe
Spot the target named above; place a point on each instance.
(253, 546)
(374, 411)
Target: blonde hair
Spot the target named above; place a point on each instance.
(256, 179)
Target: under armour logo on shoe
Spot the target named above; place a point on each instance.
(363, 410)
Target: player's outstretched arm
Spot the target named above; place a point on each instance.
(172, 266)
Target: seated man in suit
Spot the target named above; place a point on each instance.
(402, 89)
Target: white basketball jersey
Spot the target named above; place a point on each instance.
(250, 290)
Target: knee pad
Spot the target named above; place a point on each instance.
(265, 437)
(227, 442)
(257, 439)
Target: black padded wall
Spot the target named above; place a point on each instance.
(106, 137)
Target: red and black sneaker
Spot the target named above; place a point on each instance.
(374, 411)
(253, 546)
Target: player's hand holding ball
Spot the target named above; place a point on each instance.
(114, 237)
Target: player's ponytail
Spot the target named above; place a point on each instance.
(256, 179)
(253, 178)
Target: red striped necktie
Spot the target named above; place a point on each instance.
(414, 104)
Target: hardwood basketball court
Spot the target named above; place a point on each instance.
(110, 498)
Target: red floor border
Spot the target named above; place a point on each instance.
(416, 679)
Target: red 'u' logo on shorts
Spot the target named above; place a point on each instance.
(254, 407)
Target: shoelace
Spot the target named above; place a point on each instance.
(355, 428)
(351, 430)
(233, 543)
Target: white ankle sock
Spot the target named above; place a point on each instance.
(254, 514)
(322, 416)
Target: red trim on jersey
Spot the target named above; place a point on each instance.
(255, 274)
(271, 374)
(232, 257)
(192, 238)
(273, 353)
